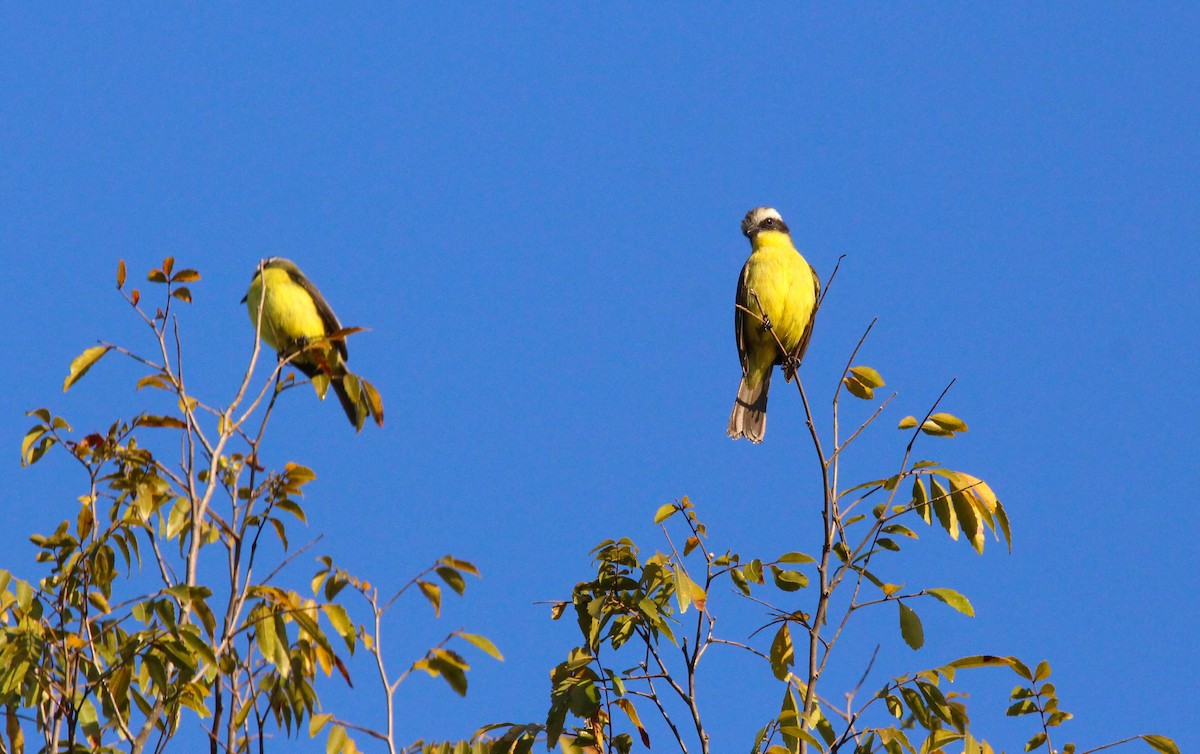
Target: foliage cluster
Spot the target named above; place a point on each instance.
(163, 602)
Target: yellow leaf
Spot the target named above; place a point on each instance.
(868, 376)
(374, 402)
(152, 380)
(949, 422)
(627, 706)
(186, 276)
(968, 516)
(82, 363)
(664, 512)
(168, 422)
(944, 509)
(483, 643)
(930, 427)
(858, 389)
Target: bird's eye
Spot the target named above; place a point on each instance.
(769, 222)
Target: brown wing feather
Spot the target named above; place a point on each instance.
(739, 319)
(324, 309)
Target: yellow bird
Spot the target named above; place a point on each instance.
(781, 289)
(294, 320)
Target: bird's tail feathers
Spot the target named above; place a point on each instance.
(749, 416)
(349, 405)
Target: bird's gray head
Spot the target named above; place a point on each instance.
(275, 263)
(762, 218)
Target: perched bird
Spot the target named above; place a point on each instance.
(781, 290)
(294, 319)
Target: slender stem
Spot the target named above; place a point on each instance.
(827, 515)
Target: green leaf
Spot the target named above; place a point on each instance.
(980, 661)
(266, 637)
(753, 571)
(1161, 743)
(35, 445)
(894, 706)
(954, 600)
(82, 363)
(937, 702)
(921, 501)
(940, 738)
(907, 422)
(341, 623)
(484, 643)
(910, 627)
(1036, 741)
(795, 557)
(943, 508)
(682, 593)
(664, 512)
(1021, 668)
(1041, 672)
(758, 740)
(789, 581)
(1002, 520)
(900, 529)
(783, 654)
(460, 565)
(627, 706)
(790, 727)
(433, 593)
(739, 581)
(24, 596)
(1023, 707)
(968, 516)
(452, 578)
(825, 728)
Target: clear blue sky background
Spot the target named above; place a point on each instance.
(536, 212)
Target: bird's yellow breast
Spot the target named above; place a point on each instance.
(289, 314)
(783, 282)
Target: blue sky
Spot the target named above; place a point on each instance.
(536, 212)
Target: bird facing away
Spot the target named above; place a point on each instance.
(781, 290)
(294, 319)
